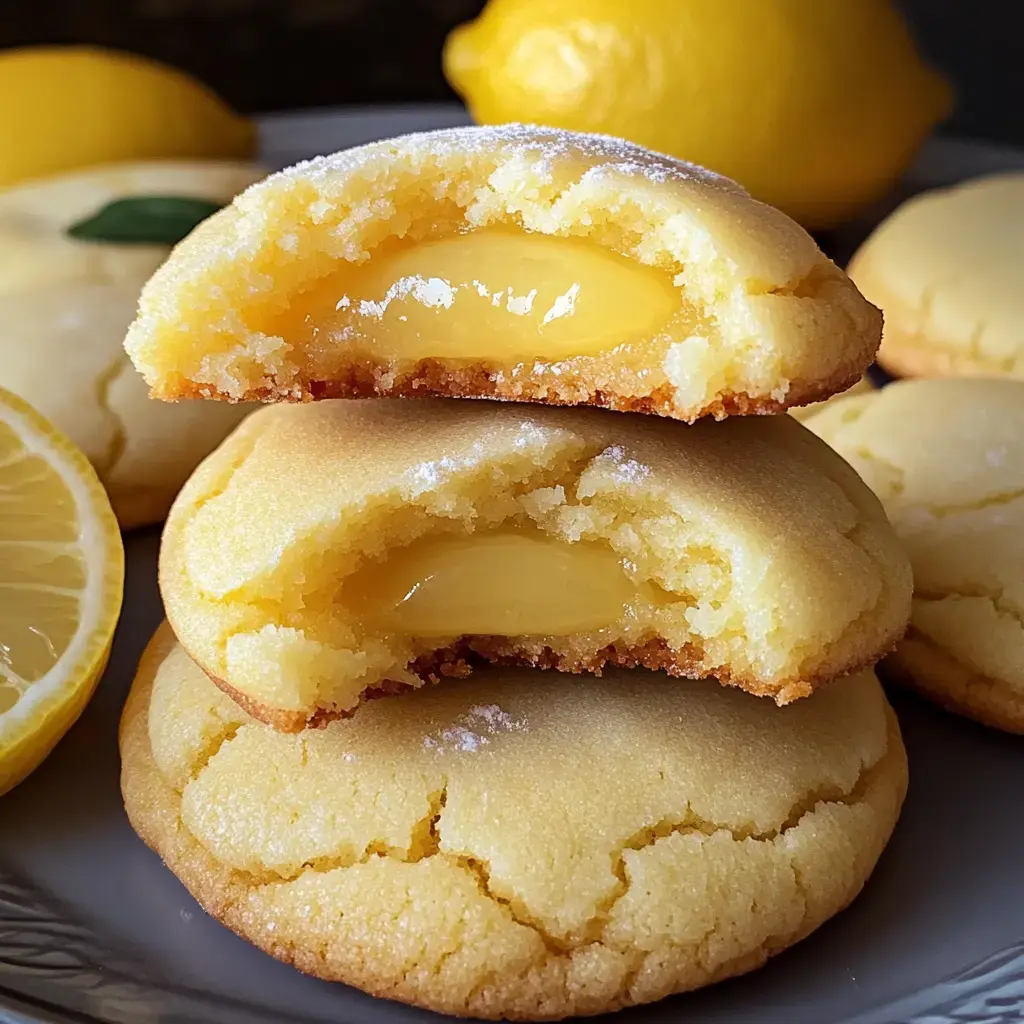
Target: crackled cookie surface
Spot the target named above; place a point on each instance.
(947, 460)
(946, 269)
(515, 262)
(332, 548)
(65, 305)
(686, 833)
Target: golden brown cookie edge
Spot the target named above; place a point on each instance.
(431, 377)
(921, 665)
(458, 660)
(150, 800)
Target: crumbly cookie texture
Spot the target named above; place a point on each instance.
(767, 320)
(64, 308)
(946, 458)
(686, 833)
(946, 269)
(748, 549)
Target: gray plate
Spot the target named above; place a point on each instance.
(92, 927)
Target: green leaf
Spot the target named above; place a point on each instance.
(144, 220)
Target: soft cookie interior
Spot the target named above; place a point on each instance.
(521, 264)
(329, 551)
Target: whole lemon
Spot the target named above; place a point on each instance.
(815, 106)
(75, 106)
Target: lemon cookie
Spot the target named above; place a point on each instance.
(327, 549)
(946, 269)
(684, 833)
(516, 262)
(947, 460)
(65, 304)
(803, 412)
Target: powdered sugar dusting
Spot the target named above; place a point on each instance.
(426, 475)
(429, 475)
(529, 435)
(997, 456)
(456, 738)
(626, 469)
(546, 147)
(474, 730)
(495, 718)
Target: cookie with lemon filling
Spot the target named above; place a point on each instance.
(686, 833)
(519, 263)
(327, 550)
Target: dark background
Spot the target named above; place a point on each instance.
(266, 55)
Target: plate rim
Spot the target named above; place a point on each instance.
(44, 949)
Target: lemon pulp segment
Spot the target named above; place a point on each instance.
(496, 293)
(42, 572)
(61, 583)
(505, 582)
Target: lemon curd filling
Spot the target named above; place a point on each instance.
(506, 582)
(496, 293)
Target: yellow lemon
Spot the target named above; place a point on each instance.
(813, 106)
(61, 582)
(69, 107)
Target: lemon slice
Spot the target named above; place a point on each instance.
(61, 582)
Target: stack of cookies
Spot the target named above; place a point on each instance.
(488, 838)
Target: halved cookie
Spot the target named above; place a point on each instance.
(512, 845)
(516, 262)
(327, 550)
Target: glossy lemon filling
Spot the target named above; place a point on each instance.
(505, 582)
(494, 294)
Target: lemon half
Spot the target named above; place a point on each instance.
(61, 584)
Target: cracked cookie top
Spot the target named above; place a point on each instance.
(65, 305)
(513, 839)
(946, 269)
(327, 548)
(946, 458)
(515, 262)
